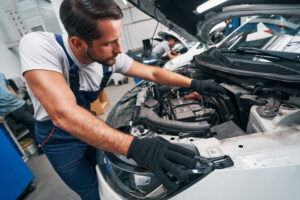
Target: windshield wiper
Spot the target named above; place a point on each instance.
(278, 54)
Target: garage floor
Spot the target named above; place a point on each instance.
(48, 184)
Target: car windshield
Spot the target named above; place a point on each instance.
(271, 32)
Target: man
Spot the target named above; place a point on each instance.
(164, 47)
(66, 73)
(14, 107)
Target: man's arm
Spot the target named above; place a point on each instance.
(171, 56)
(158, 75)
(166, 77)
(53, 92)
(173, 52)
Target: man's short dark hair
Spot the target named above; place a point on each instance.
(170, 37)
(79, 17)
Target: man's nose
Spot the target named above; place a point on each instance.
(117, 47)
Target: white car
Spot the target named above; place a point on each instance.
(187, 48)
(195, 48)
(247, 142)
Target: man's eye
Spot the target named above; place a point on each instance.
(108, 44)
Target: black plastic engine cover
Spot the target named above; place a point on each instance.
(190, 111)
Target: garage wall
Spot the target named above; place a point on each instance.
(9, 57)
(137, 26)
(18, 17)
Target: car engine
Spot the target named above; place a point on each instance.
(251, 105)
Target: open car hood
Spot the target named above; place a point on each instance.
(164, 34)
(194, 19)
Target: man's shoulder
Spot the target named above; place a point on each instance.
(40, 50)
(121, 58)
(39, 43)
(165, 43)
(37, 39)
(123, 63)
(37, 35)
(2, 77)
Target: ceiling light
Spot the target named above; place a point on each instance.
(125, 2)
(209, 4)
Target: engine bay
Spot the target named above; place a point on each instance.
(250, 106)
(255, 115)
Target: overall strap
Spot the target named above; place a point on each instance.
(60, 41)
(73, 76)
(83, 98)
(106, 76)
(73, 73)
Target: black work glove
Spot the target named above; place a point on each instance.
(207, 87)
(160, 157)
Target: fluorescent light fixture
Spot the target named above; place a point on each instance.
(125, 2)
(209, 4)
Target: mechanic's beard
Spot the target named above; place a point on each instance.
(107, 62)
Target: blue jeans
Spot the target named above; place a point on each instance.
(73, 160)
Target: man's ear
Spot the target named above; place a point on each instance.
(79, 44)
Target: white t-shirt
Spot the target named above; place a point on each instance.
(161, 48)
(41, 51)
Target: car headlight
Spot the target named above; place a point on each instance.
(131, 181)
(128, 179)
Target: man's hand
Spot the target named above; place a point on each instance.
(194, 95)
(18, 96)
(1, 118)
(207, 87)
(13, 91)
(160, 157)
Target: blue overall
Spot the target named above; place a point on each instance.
(72, 159)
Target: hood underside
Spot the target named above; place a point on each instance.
(183, 18)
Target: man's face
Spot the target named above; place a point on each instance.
(171, 42)
(105, 49)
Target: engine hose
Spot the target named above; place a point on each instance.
(157, 94)
(150, 118)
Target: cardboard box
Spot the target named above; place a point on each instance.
(101, 104)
